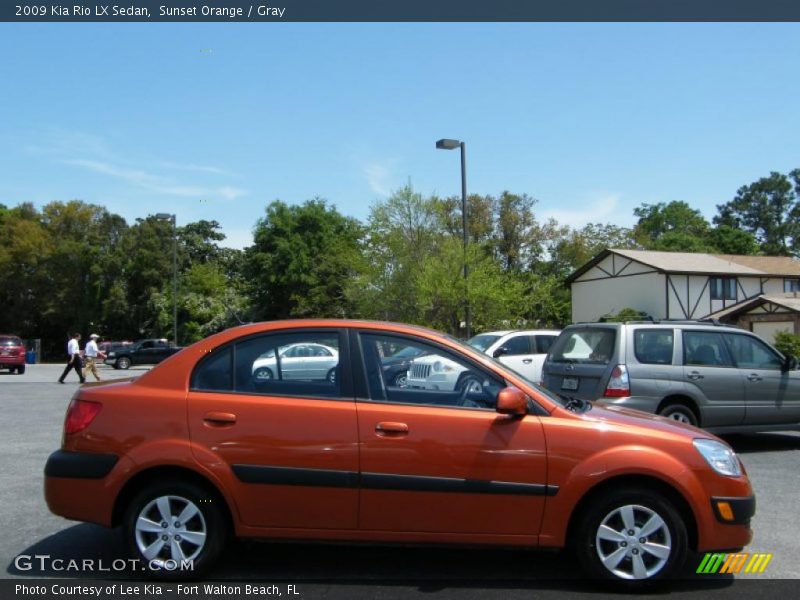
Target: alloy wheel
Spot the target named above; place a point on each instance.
(170, 528)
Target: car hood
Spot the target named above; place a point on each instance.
(630, 417)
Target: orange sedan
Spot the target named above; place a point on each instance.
(204, 446)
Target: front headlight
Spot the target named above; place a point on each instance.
(719, 457)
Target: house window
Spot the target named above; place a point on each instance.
(791, 285)
(723, 288)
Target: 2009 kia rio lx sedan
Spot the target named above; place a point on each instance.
(201, 447)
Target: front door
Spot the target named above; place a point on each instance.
(291, 443)
(443, 461)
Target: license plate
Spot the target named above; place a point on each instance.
(569, 383)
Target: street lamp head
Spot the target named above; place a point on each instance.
(447, 144)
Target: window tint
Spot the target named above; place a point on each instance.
(483, 341)
(750, 353)
(146, 345)
(432, 377)
(214, 373)
(705, 348)
(544, 343)
(289, 364)
(653, 346)
(519, 344)
(585, 345)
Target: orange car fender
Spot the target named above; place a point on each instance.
(183, 454)
(601, 467)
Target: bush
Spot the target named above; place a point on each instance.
(787, 343)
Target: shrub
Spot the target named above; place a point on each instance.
(787, 343)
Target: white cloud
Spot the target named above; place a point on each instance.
(592, 209)
(378, 177)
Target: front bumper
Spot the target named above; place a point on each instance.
(734, 511)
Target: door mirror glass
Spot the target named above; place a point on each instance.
(512, 401)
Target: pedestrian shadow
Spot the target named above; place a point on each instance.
(428, 569)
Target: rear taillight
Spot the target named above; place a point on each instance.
(80, 414)
(619, 385)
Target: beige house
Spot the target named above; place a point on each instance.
(759, 293)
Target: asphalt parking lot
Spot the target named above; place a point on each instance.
(33, 407)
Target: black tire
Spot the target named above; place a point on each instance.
(21, 369)
(123, 362)
(679, 412)
(263, 374)
(210, 518)
(400, 380)
(469, 382)
(608, 509)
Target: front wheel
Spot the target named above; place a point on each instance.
(123, 362)
(176, 530)
(21, 370)
(632, 536)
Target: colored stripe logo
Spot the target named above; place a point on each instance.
(742, 562)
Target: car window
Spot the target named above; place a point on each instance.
(750, 353)
(544, 343)
(519, 344)
(705, 349)
(145, 345)
(585, 345)
(483, 341)
(10, 341)
(289, 364)
(653, 346)
(433, 377)
(214, 373)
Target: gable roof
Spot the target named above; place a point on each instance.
(786, 301)
(701, 263)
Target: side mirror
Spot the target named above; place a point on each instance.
(789, 363)
(500, 352)
(512, 401)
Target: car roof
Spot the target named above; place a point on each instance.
(528, 331)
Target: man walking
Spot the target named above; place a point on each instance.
(90, 356)
(74, 361)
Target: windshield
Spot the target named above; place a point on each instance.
(483, 341)
(407, 352)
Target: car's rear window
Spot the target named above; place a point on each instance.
(7, 340)
(585, 345)
(653, 346)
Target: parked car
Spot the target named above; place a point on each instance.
(12, 353)
(721, 378)
(298, 361)
(109, 345)
(395, 366)
(142, 352)
(523, 351)
(200, 447)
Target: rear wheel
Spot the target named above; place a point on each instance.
(177, 530)
(680, 413)
(632, 536)
(263, 374)
(123, 362)
(21, 369)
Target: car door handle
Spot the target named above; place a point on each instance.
(694, 376)
(527, 361)
(754, 377)
(391, 428)
(216, 418)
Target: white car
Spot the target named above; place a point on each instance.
(523, 351)
(305, 361)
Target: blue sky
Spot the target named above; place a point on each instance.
(214, 121)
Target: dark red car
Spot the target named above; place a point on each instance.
(12, 353)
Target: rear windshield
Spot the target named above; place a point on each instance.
(10, 341)
(584, 345)
(483, 341)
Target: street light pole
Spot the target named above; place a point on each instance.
(172, 219)
(447, 144)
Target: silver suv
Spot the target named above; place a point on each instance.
(718, 377)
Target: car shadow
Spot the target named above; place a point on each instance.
(745, 443)
(426, 568)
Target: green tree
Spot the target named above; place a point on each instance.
(673, 227)
(770, 210)
(302, 261)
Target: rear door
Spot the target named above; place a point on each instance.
(581, 360)
(290, 444)
(711, 377)
(520, 355)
